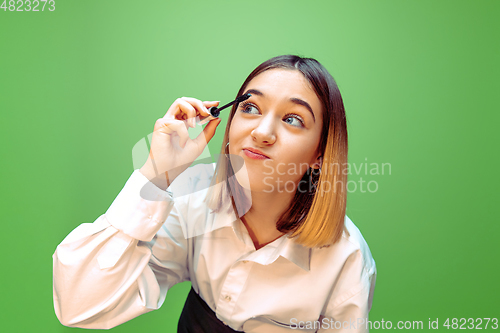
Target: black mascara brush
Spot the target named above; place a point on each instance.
(215, 111)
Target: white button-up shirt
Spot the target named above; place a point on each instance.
(122, 265)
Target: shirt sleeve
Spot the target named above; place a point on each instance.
(120, 266)
(351, 300)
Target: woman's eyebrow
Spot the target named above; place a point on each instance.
(254, 92)
(293, 100)
(305, 104)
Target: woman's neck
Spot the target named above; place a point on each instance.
(265, 211)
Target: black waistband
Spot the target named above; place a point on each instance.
(198, 317)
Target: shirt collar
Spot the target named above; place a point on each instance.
(296, 253)
(283, 246)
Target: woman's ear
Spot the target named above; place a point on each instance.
(318, 163)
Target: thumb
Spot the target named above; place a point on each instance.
(208, 132)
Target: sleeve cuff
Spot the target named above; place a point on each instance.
(140, 209)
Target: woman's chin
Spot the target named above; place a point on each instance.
(254, 182)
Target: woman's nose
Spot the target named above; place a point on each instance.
(264, 132)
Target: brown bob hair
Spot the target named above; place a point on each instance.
(315, 218)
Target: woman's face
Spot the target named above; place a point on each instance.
(283, 120)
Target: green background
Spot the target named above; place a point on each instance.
(81, 85)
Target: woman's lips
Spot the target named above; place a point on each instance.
(254, 155)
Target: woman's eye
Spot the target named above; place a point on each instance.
(294, 120)
(249, 108)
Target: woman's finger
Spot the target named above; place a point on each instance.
(200, 107)
(208, 133)
(170, 126)
(210, 103)
(182, 131)
(173, 109)
(180, 109)
(187, 107)
(189, 111)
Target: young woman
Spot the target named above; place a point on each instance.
(263, 238)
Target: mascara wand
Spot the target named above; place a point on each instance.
(215, 111)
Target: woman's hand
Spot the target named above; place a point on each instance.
(172, 150)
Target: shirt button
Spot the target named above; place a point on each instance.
(228, 298)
